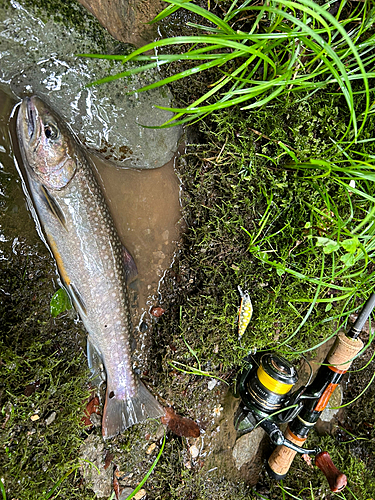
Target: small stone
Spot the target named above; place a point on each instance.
(247, 446)
(125, 493)
(332, 407)
(34, 418)
(151, 448)
(211, 384)
(194, 452)
(140, 494)
(96, 420)
(51, 418)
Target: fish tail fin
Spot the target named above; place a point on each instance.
(119, 414)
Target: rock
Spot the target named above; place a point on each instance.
(327, 423)
(140, 494)
(92, 451)
(246, 447)
(211, 384)
(331, 409)
(125, 493)
(51, 418)
(126, 19)
(151, 448)
(128, 491)
(194, 451)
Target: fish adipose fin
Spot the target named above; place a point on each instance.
(119, 414)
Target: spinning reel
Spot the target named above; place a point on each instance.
(265, 387)
(267, 400)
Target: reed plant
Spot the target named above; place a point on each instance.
(263, 51)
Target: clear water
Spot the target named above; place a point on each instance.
(37, 56)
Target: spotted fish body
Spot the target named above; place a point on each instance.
(82, 237)
(245, 312)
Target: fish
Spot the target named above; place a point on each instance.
(91, 260)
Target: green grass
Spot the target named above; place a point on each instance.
(280, 48)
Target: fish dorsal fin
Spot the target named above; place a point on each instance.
(131, 271)
(53, 206)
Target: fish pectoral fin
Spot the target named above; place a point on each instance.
(77, 299)
(52, 205)
(131, 271)
(95, 362)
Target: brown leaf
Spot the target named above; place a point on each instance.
(108, 459)
(91, 407)
(181, 426)
(157, 311)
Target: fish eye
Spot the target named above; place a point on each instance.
(51, 131)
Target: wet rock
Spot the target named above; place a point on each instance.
(126, 19)
(93, 451)
(194, 451)
(327, 423)
(211, 384)
(246, 447)
(331, 409)
(125, 493)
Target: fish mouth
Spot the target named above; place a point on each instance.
(31, 117)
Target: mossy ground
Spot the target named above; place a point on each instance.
(42, 373)
(228, 179)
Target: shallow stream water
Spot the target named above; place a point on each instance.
(39, 56)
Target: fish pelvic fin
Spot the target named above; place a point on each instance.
(119, 414)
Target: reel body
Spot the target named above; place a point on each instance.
(267, 400)
(265, 389)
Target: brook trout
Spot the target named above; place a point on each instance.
(89, 255)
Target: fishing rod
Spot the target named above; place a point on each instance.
(267, 400)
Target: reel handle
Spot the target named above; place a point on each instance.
(336, 479)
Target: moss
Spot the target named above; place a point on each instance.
(237, 170)
(72, 14)
(42, 388)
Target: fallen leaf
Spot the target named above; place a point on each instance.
(181, 426)
(157, 311)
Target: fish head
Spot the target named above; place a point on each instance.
(48, 147)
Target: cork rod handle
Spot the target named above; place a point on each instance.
(282, 457)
